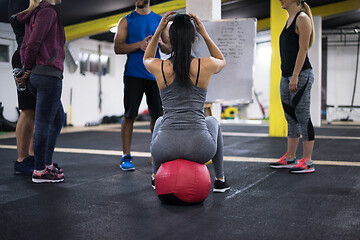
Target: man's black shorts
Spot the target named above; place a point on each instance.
(134, 89)
(26, 100)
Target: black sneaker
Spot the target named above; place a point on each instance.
(47, 176)
(26, 167)
(220, 186)
(153, 183)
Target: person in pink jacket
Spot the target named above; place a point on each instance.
(42, 57)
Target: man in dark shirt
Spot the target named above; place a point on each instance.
(26, 101)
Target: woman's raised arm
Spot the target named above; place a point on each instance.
(218, 60)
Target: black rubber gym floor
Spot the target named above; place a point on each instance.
(99, 201)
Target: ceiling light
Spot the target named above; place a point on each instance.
(113, 29)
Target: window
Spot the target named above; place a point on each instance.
(4, 53)
(84, 63)
(89, 62)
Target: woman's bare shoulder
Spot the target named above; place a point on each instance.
(206, 62)
(303, 18)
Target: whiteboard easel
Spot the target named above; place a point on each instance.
(236, 40)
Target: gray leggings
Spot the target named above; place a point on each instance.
(297, 106)
(194, 145)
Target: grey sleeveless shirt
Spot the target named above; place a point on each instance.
(183, 107)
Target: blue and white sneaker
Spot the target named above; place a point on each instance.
(126, 163)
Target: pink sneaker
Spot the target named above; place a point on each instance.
(283, 162)
(302, 167)
(47, 176)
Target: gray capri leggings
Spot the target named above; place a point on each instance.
(297, 106)
(194, 145)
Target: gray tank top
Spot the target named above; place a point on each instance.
(183, 107)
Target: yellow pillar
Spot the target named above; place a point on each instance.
(277, 121)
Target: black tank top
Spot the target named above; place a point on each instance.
(289, 48)
(14, 7)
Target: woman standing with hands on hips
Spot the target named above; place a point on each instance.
(42, 57)
(295, 86)
(183, 131)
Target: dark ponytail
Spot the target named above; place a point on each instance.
(182, 35)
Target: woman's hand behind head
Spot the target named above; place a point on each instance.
(165, 20)
(198, 24)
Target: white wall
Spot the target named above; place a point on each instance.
(8, 95)
(261, 81)
(205, 9)
(315, 57)
(340, 82)
(85, 88)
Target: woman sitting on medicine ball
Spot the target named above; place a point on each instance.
(184, 132)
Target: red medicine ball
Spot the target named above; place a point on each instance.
(182, 182)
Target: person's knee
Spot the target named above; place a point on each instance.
(28, 114)
(129, 120)
(211, 120)
(293, 131)
(158, 120)
(293, 135)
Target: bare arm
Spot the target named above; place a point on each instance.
(303, 25)
(149, 60)
(164, 42)
(218, 60)
(120, 45)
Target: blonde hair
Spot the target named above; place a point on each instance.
(306, 9)
(32, 5)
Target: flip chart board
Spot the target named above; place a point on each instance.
(236, 40)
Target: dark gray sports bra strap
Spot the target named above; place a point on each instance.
(162, 70)
(197, 78)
